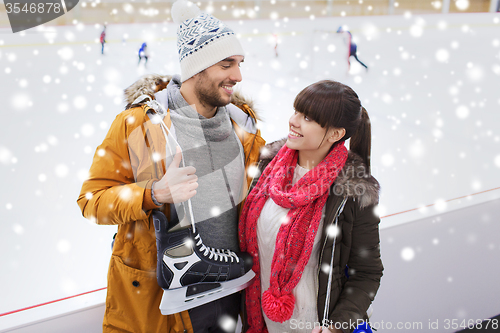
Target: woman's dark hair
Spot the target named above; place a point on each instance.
(334, 105)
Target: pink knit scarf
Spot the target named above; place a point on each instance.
(295, 238)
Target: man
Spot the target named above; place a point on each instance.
(137, 171)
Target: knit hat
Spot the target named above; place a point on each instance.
(202, 40)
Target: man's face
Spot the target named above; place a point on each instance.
(214, 85)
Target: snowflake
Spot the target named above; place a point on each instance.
(408, 254)
(252, 171)
(462, 4)
(462, 112)
(69, 36)
(66, 53)
(474, 72)
(63, 246)
(61, 170)
(62, 107)
(18, 229)
(68, 286)
(5, 156)
(387, 160)
(215, 211)
(332, 231)
(380, 210)
(417, 148)
(87, 130)
(453, 90)
(497, 161)
(227, 323)
(125, 193)
(21, 101)
(80, 102)
(386, 98)
(440, 205)
(442, 55)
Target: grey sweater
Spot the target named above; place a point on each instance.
(212, 147)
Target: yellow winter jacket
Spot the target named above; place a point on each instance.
(118, 191)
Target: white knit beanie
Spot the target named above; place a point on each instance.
(202, 40)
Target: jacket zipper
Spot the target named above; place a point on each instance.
(339, 209)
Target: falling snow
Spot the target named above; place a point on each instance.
(408, 254)
(63, 96)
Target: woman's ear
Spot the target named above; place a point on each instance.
(336, 134)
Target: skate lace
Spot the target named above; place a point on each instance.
(216, 254)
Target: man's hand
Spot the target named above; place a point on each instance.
(178, 184)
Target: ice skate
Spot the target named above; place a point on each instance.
(192, 274)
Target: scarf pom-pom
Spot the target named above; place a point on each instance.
(278, 309)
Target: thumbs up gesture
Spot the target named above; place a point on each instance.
(178, 184)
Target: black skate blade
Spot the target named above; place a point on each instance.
(196, 289)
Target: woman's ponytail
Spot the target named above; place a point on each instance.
(361, 141)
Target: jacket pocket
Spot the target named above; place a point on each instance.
(133, 300)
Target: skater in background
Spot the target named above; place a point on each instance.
(131, 178)
(353, 48)
(275, 45)
(102, 39)
(326, 195)
(143, 53)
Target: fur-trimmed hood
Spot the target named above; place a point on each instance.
(352, 181)
(152, 83)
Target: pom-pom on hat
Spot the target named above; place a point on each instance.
(202, 40)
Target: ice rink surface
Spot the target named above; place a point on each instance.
(431, 91)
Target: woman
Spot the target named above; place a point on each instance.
(320, 216)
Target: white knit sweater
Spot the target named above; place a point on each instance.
(305, 313)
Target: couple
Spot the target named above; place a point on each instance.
(190, 139)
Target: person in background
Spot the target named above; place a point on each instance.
(309, 220)
(276, 40)
(102, 39)
(143, 53)
(353, 48)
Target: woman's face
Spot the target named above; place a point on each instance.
(305, 134)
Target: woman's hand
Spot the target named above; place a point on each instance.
(321, 329)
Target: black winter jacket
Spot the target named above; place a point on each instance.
(357, 266)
